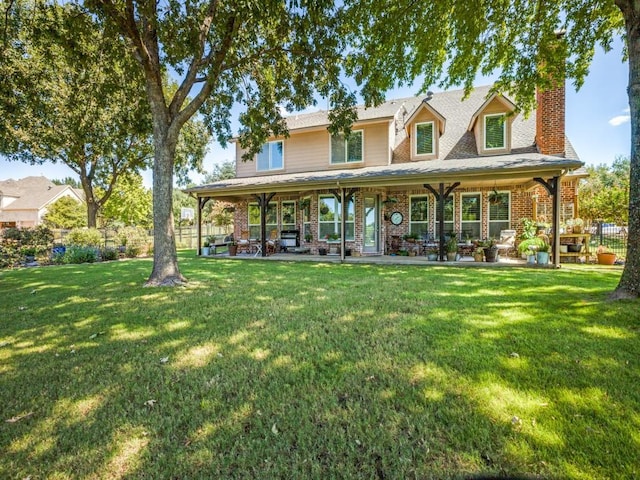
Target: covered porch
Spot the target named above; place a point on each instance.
(374, 206)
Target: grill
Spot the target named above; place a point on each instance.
(289, 238)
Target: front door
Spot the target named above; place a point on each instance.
(371, 224)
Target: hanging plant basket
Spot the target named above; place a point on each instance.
(495, 198)
(324, 209)
(389, 201)
(304, 203)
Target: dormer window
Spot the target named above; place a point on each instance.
(347, 149)
(495, 132)
(271, 157)
(425, 144)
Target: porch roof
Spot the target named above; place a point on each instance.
(494, 170)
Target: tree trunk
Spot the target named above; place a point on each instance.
(92, 206)
(165, 258)
(629, 286)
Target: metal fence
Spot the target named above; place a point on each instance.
(611, 236)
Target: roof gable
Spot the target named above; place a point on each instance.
(424, 105)
(508, 104)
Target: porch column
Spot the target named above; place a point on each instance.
(202, 201)
(263, 203)
(441, 195)
(552, 186)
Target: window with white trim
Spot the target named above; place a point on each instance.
(424, 138)
(449, 206)
(495, 132)
(254, 219)
(419, 216)
(500, 215)
(347, 149)
(471, 215)
(330, 217)
(271, 157)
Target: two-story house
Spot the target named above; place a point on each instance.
(430, 165)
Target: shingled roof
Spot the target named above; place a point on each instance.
(458, 154)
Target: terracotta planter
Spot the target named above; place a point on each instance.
(606, 258)
(233, 250)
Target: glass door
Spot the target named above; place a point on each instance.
(371, 222)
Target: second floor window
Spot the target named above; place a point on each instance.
(271, 157)
(495, 132)
(424, 138)
(347, 149)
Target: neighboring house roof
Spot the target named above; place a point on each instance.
(32, 193)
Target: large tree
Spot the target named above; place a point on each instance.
(73, 95)
(70, 98)
(450, 43)
(262, 54)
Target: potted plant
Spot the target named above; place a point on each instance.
(606, 256)
(308, 238)
(432, 254)
(542, 254)
(206, 247)
(530, 244)
(578, 223)
(411, 237)
(531, 256)
(233, 248)
(478, 254)
(452, 247)
(490, 251)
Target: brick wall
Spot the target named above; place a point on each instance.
(522, 206)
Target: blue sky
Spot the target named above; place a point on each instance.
(597, 121)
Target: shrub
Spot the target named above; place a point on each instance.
(80, 254)
(132, 251)
(9, 255)
(89, 237)
(133, 237)
(109, 254)
(16, 243)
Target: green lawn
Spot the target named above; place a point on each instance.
(283, 371)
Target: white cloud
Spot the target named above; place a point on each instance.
(619, 120)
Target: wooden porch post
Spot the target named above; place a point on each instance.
(553, 188)
(202, 201)
(263, 203)
(441, 195)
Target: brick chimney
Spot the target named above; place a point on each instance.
(551, 110)
(550, 120)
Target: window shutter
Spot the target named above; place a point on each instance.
(494, 132)
(424, 139)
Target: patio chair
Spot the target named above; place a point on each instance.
(507, 241)
(272, 242)
(243, 242)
